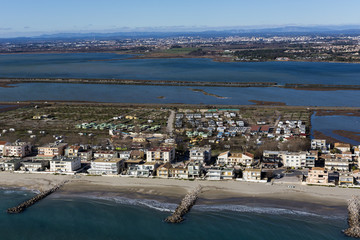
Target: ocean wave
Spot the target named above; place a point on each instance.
(21, 190)
(170, 207)
(153, 204)
(259, 210)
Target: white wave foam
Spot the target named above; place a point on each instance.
(257, 210)
(153, 204)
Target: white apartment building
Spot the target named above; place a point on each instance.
(294, 159)
(63, 164)
(106, 166)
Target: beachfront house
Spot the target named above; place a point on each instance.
(318, 175)
(65, 165)
(106, 166)
(194, 169)
(336, 163)
(34, 165)
(294, 159)
(10, 164)
(219, 173)
(163, 170)
(179, 172)
(252, 174)
(346, 179)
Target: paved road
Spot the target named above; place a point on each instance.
(170, 123)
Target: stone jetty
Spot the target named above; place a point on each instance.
(185, 206)
(21, 207)
(353, 218)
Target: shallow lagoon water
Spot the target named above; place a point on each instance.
(110, 65)
(172, 94)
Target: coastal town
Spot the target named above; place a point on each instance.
(203, 144)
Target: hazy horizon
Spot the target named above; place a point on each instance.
(23, 18)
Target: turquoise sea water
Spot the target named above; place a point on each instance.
(66, 217)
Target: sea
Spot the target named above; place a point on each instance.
(111, 65)
(90, 217)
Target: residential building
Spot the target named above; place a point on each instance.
(10, 164)
(2, 147)
(73, 151)
(311, 158)
(52, 149)
(160, 154)
(294, 159)
(200, 154)
(319, 144)
(232, 159)
(318, 175)
(346, 179)
(64, 164)
(252, 174)
(179, 172)
(86, 156)
(105, 154)
(106, 166)
(219, 173)
(125, 155)
(34, 165)
(163, 171)
(343, 147)
(194, 169)
(17, 149)
(337, 164)
(137, 154)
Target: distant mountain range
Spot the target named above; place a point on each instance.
(206, 32)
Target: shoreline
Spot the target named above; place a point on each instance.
(316, 199)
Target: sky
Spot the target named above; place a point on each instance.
(33, 17)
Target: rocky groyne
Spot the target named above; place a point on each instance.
(21, 207)
(353, 218)
(185, 206)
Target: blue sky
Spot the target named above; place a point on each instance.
(26, 17)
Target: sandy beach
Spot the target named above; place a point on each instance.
(302, 197)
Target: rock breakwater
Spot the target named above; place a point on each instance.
(185, 206)
(21, 207)
(353, 218)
